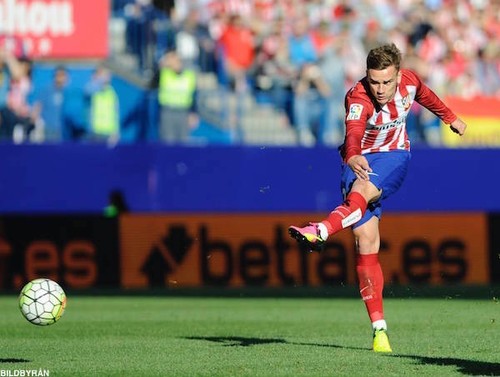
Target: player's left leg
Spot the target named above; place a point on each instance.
(351, 211)
(371, 280)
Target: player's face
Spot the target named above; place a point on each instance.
(383, 83)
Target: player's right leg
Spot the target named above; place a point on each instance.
(371, 279)
(381, 341)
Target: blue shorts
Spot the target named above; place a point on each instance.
(388, 173)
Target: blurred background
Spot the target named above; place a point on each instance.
(150, 143)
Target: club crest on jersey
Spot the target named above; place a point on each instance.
(355, 111)
(405, 101)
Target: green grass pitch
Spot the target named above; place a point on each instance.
(190, 336)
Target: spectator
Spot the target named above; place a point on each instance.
(163, 33)
(51, 102)
(117, 6)
(18, 116)
(322, 38)
(140, 17)
(486, 69)
(274, 73)
(103, 107)
(4, 79)
(310, 90)
(4, 90)
(301, 46)
(351, 52)
(310, 105)
(334, 75)
(74, 113)
(177, 99)
(236, 49)
(194, 44)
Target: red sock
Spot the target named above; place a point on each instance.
(346, 214)
(371, 284)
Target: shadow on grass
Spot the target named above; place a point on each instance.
(13, 360)
(466, 367)
(240, 341)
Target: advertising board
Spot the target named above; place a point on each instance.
(141, 251)
(65, 29)
(77, 251)
(255, 250)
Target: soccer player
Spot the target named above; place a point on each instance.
(375, 157)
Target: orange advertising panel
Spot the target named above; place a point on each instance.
(435, 248)
(238, 250)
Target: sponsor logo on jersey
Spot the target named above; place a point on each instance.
(387, 126)
(355, 111)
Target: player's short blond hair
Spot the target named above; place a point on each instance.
(384, 56)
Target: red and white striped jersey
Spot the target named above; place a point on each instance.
(371, 128)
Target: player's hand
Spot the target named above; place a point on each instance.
(360, 167)
(458, 126)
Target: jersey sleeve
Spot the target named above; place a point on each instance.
(357, 114)
(427, 98)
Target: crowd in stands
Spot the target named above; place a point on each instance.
(302, 55)
(299, 56)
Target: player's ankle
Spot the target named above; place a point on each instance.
(379, 325)
(323, 230)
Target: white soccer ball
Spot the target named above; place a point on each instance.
(42, 301)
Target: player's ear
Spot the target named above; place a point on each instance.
(399, 77)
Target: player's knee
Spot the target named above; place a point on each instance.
(366, 188)
(367, 242)
(365, 246)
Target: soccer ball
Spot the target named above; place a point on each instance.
(42, 302)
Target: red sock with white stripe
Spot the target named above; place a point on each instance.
(371, 286)
(346, 214)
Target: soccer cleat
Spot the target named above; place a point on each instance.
(308, 236)
(381, 341)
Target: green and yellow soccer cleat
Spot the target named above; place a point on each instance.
(381, 341)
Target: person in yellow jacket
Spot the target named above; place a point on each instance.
(176, 99)
(104, 107)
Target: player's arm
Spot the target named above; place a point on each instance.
(427, 98)
(359, 165)
(356, 119)
(458, 126)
